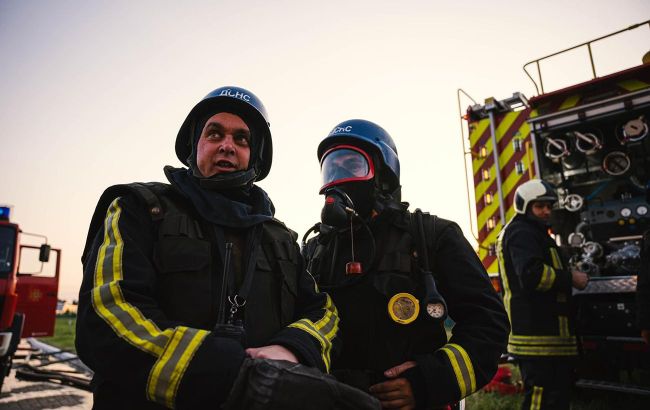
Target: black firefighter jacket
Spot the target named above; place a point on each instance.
(536, 291)
(448, 369)
(150, 299)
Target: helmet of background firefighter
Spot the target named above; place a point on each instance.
(531, 191)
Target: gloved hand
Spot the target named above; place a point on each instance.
(277, 384)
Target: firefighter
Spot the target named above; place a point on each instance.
(537, 296)
(393, 274)
(183, 281)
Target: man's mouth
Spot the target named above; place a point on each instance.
(225, 164)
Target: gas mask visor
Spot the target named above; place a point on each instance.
(345, 163)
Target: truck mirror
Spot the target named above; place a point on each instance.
(44, 254)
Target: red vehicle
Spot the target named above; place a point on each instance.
(590, 140)
(27, 299)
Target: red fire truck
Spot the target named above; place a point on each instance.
(27, 298)
(591, 141)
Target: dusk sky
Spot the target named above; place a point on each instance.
(92, 93)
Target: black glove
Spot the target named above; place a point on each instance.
(278, 384)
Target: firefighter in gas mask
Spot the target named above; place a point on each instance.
(537, 295)
(395, 276)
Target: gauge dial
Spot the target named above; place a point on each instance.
(436, 310)
(641, 210)
(626, 212)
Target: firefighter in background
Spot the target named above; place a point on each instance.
(393, 275)
(537, 296)
(182, 281)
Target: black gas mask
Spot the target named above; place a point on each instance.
(347, 174)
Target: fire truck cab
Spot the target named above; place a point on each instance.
(591, 142)
(28, 293)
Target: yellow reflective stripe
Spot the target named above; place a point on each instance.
(462, 366)
(324, 330)
(542, 340)
(543, 350)
(536, 399)
(167, 372)
(564, 325)
(507, 293)
(547, 279)
(557, 262)
(543, 345)
(308, 327)
(328, 325)
(107, 298)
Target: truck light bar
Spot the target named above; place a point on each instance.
(4, 212)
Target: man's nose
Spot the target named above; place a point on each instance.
(227, 145)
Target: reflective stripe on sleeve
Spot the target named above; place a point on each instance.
(166, 374)
(543, 345)
(557, 262)
(536, 399)
(107, 299)
(324, 330)
(174, 348)
(563, 323)
(507, 293)
(463, 368)
(547, 279)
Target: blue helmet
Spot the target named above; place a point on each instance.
(366, 134)
(238, 101)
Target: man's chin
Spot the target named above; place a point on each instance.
(221, 171)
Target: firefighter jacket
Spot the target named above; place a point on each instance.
(150, 299)
(448, 369)
(536, 291)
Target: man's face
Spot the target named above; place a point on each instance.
(224, 145)
(542, 209)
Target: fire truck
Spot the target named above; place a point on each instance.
(589, 140)
(29, 282)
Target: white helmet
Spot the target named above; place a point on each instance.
(533, 190)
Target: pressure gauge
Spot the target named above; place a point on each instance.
(435, 310)
(626, 212)
(616, 163)
(641, 210)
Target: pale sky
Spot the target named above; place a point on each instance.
(92, 93)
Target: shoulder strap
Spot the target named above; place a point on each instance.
(436, 307)
(420, 224)
(148, 193)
